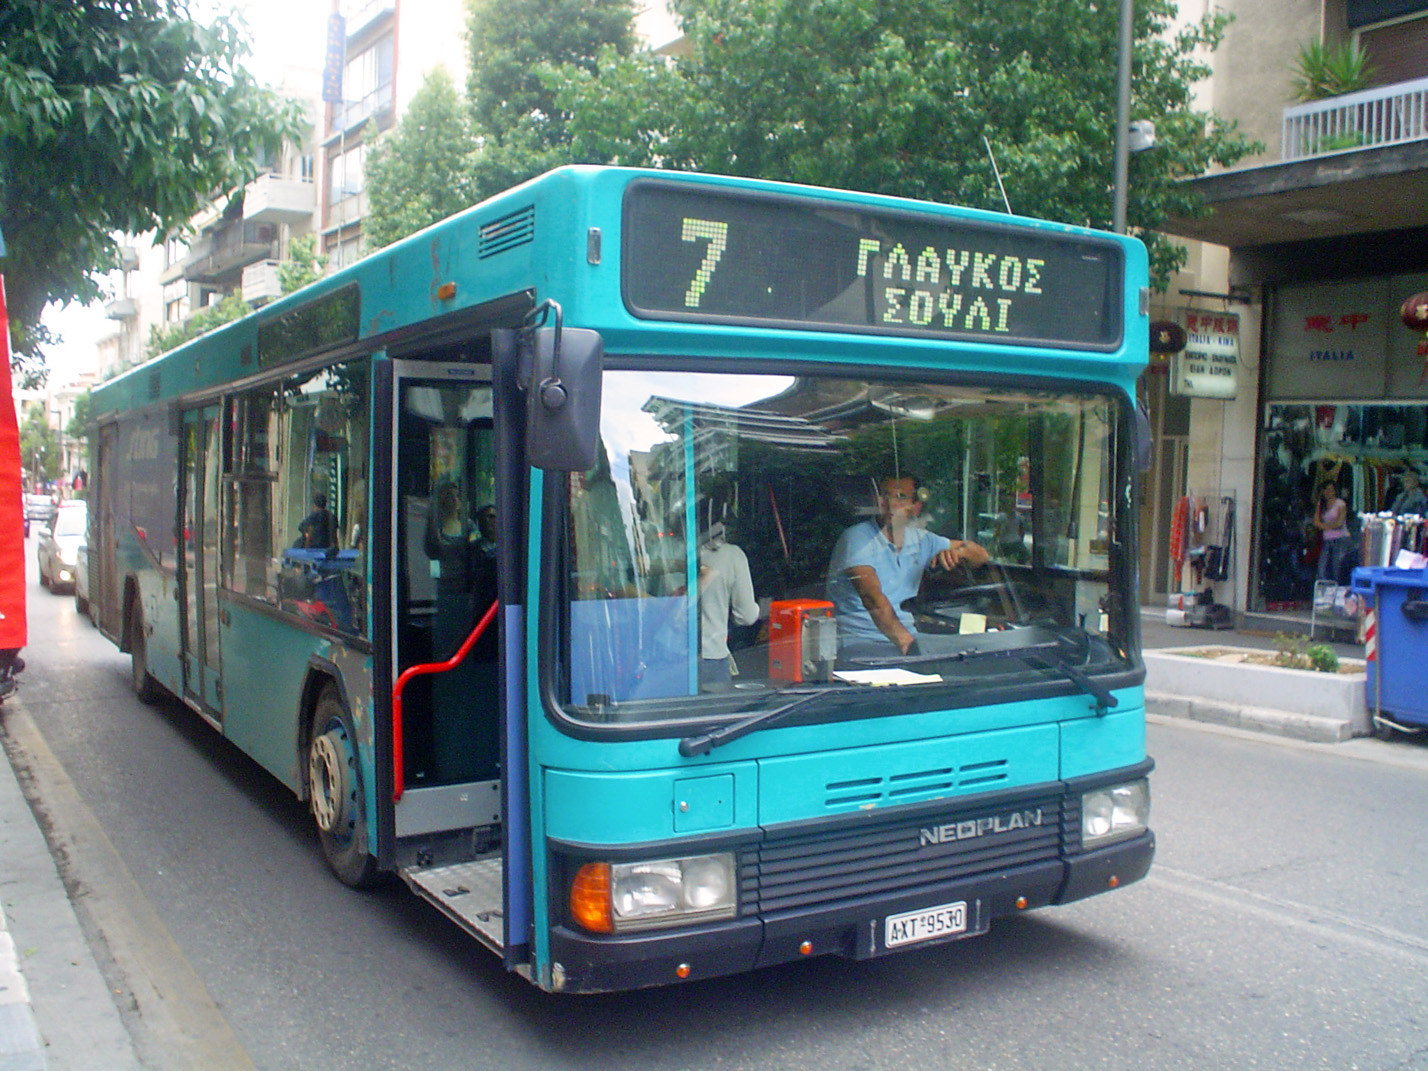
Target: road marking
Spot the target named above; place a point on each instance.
(180, 1026)
(1317, 920)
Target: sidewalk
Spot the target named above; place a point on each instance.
(56, 1010)
(1326, 715)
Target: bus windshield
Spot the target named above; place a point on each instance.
(741, 535)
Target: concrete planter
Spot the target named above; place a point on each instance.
(1301, 703)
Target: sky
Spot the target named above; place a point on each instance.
(283, 33)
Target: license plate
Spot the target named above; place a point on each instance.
(928, 924)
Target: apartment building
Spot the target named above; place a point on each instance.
(1299, 369)
(381, 52)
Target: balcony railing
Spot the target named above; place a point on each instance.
(222, 251)
(1386, 115)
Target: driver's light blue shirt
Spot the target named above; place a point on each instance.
(899, 572)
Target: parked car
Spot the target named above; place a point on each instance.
(81, 581)
(59, 545)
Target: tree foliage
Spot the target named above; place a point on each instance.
(39, 445)
(165, 337)
(516, 112)
(304, 264)
(421, 172)
(915, 99)
(116, 116)
(78, 426)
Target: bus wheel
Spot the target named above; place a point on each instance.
(335, 792)
(145, 687)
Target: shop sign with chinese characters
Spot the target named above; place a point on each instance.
(1209, 365)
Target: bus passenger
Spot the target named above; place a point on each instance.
(725, 590)
(878, 563)
(318, 530)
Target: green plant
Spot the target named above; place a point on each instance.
(1323, 658)
(1353, 139)
(1291, 651)
(1323, 71)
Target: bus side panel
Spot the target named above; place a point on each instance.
(145, 536)
(264, 666)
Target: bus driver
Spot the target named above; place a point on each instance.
(878, 563)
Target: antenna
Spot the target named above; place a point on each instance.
(997, 172)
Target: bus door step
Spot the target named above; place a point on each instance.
(468, 893)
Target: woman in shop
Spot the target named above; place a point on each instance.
(1331, 517)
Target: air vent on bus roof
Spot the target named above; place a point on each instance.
(507, 232)
(155, 390)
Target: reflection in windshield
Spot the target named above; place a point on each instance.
(742, 533)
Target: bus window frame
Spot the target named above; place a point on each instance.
(553, 576)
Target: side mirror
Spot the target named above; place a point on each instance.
(562, 368)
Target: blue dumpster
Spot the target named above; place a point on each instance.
(1398, 677)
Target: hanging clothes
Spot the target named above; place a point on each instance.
(1179, 522)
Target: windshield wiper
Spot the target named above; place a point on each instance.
(1037, 646)
(703, 743)
(1105, 701)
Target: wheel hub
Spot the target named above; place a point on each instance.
(327, 774)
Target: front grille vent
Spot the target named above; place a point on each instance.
(854, 857)
(914, 786)
(511, 230)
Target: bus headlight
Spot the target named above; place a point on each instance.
(1114, 813)
(621, 897)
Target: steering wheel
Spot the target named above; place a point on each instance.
(940, 603)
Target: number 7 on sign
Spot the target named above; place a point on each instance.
(717, 235)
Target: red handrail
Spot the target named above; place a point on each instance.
(399, 777)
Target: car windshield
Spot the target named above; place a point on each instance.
(69, 521)
(742, 535)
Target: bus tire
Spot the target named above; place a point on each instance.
(335, 792)
(145, 686)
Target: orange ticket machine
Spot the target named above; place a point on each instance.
(803, 640)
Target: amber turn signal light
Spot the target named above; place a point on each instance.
(590, 898)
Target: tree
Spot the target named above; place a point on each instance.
(78, 426)
(521, 123)
(116, 116)
(304, 264)
(914, 99)
(39, 446)
(165, 337)
(421, 172)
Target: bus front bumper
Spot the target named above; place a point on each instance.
(858, 929)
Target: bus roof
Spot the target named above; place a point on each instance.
(567, 235)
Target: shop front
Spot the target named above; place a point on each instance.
(1344, 405)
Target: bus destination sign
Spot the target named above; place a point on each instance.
(714, 256)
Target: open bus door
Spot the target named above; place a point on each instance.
(456, 545)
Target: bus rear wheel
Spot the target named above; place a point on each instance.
(335, 792)
(145, 687)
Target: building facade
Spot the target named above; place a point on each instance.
(1298, 370)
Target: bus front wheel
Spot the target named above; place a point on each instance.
(335, 792)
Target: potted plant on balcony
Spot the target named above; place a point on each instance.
(1323, 71)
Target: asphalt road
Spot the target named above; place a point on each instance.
(1284, 926)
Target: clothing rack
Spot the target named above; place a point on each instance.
(1204, 540)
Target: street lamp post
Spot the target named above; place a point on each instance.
(1123, 95)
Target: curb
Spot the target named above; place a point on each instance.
(20, 1045)
(1313, 728)
(57, 1012)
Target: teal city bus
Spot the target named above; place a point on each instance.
(533, 551)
